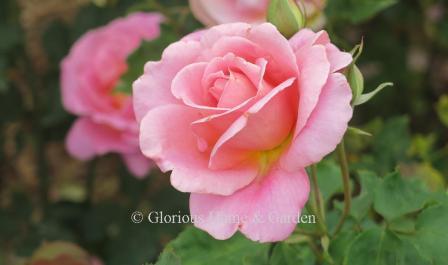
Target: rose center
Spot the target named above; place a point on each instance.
(232, 89)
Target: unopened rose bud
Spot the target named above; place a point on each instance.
(287, 16)
(356, 81)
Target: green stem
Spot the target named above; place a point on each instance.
(315, 250)
(317, 194)
(342, 156)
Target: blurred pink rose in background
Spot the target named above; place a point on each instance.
(237, 112)
(89, 76)
(214, 12)
(62, 253)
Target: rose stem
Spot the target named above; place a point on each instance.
(317, 194)
(342, 156)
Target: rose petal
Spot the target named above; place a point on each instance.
(314, 69)
(338, 60)
(153, 88)
(252, 43)
(325, 128)
(263, 127)
(213, 12)
(237, 90)
(166, 137)
(306, 38)
(187, 86)
(97, 60)
(87, 139)
(264, 211)
(254, 72)
(137, 164)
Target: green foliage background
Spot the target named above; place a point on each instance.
(399, 211)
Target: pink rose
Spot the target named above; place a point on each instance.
(89, 75)
(214, 12)
(237, 112)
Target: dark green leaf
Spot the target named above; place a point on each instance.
(363, 202)
(340, 245)
(329, 178)
(391, 144)
(169, 258)
(292, 254)
(402, 225)
(432, 231)
(396, 197)
(195, 247)
(378, 246)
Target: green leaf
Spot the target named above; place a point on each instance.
(169, 258)
(148, 51)
(368, 96)
(402, 225)
(396, 197)
(329, 179)
(358, 131)
(391, 144)
(292, 254)
(363, 202)
(379, 246)
(442, 109)
(356, 10)
(340, 245)
(195, 247)
(432, 231)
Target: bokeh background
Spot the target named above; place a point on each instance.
(45, 195)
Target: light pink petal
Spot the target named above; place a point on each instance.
(251, 43)
(98, 59)
(338, 60)
(153, 88)
(87, 139)
(213, 12)
(137, 164)
(230, 62)
(325, 128)
(314, 69)
(263, 127)
(201, 13)
(166, 137)
(187, 86)
(210, 128)
(144, 25)
(194, 36)
(306, 38)
(237, 90)
(267, 210)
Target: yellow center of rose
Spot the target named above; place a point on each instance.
(269, 157)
